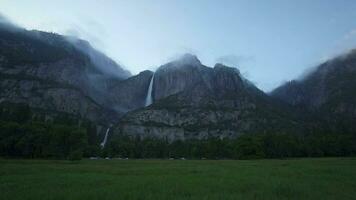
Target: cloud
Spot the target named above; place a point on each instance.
(179, 53)
(341, 47)
(350, 35)
(4, 19)
(234, 60)
(82, 33)
(7, 23)
(88, 30)
(237, 61)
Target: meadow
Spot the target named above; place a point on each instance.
(309, 178)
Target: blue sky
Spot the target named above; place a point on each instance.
(270, 41)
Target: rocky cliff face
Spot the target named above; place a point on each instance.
(195, 101)
(131, 93)
(187, 73)
(328, 92)
(49, 96)
(177, 76)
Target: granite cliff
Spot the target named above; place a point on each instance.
(195, 101)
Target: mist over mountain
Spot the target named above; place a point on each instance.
(55, 73)
(328, 92)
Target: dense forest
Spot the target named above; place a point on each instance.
(23, 135)
(29, 135)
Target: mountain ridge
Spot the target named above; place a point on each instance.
(58, 74)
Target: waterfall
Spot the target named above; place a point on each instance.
(149, 92)
(102, 144)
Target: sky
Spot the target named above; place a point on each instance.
(270, 42)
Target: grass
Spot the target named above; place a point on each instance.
(324, 178)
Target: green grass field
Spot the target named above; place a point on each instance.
(325, 178)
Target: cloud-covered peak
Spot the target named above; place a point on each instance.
(5, 23)
(188, 59)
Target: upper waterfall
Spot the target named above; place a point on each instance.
(149, 100)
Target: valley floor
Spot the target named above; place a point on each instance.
(320, 178)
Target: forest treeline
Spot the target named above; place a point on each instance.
(22, 135)
(27, 135)
(248, 146)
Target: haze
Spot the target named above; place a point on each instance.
(269, 41)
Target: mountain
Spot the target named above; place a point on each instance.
(328, 93)
(195, 101)
(56, 74)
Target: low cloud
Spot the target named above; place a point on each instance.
(7, 23)
(350, 35)
(342, 46)
(237, 61)
(234, 60)
(4, 20)
(84, 31)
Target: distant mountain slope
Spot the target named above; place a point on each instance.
(56, 73)
(329, 92)
(195, 101)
